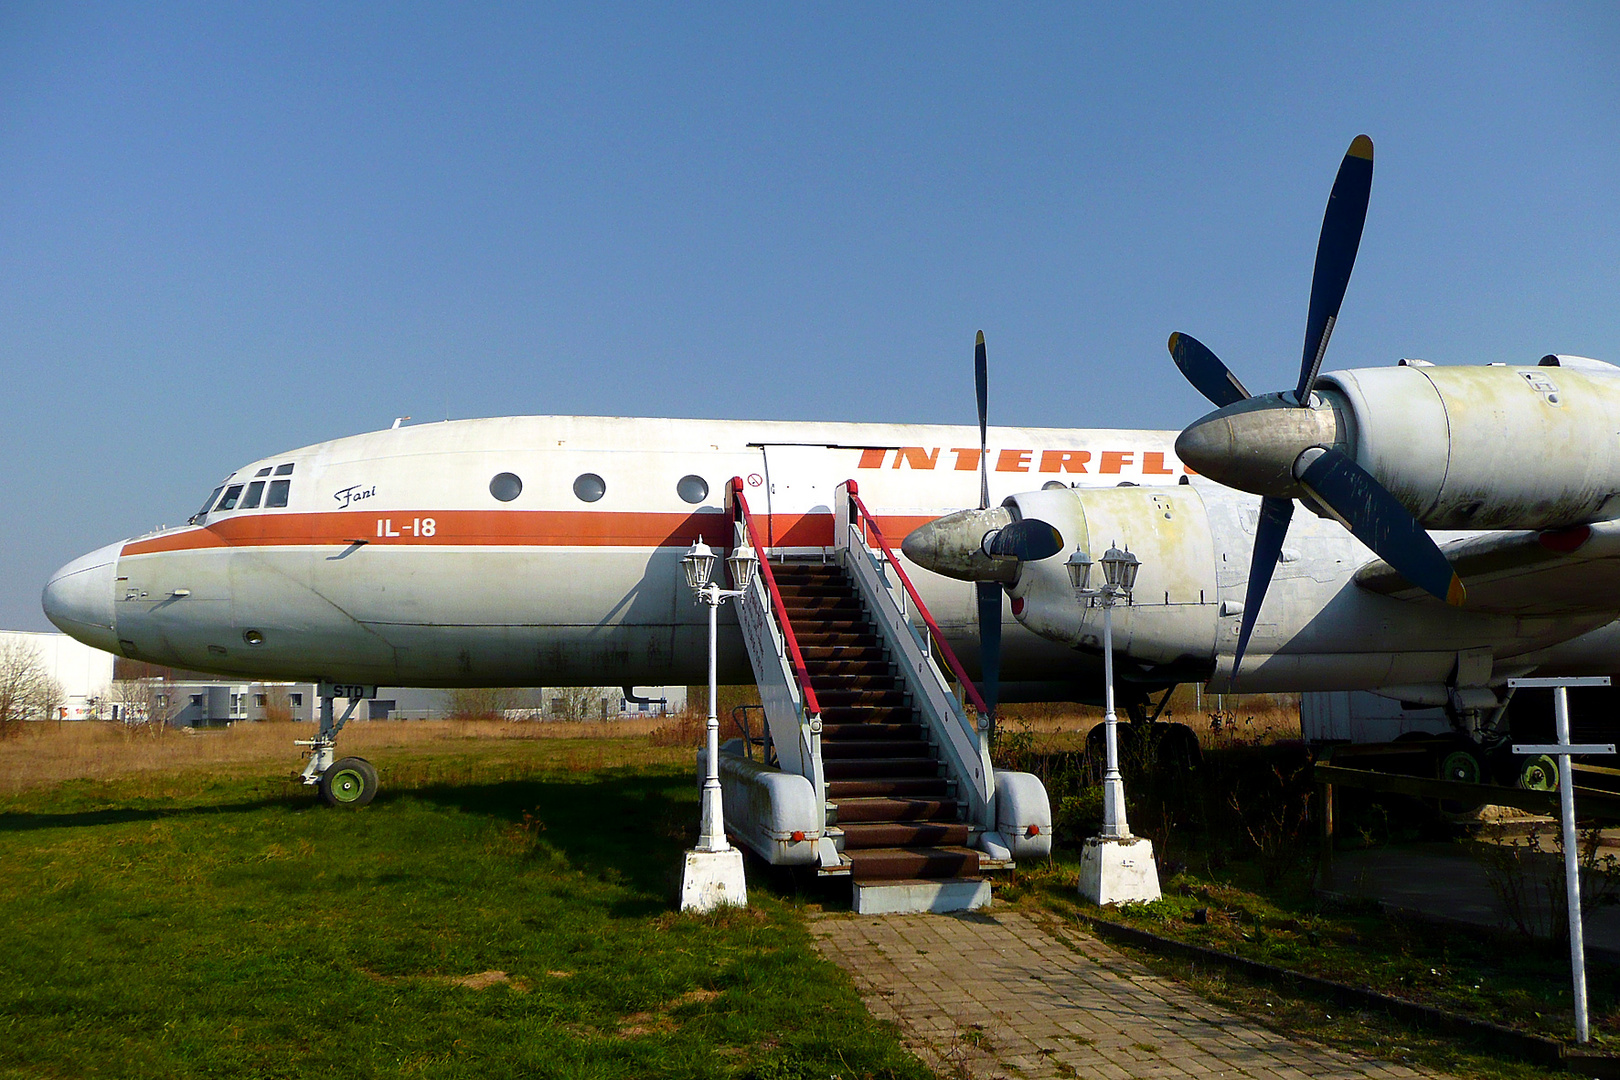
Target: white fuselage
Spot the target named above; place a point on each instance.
(393, 560)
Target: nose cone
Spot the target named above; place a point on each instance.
(79, 598)
(954, 546)
(1252, 445)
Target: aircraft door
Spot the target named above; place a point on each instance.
(799, 484)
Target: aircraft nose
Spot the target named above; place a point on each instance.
(79, 598)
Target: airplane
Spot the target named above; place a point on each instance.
(546, 550)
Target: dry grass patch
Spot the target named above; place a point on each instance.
(48, 754)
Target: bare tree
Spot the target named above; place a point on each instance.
(27, 691)
(277, 705)
(579, 703)
(480, 703)
(145, 705)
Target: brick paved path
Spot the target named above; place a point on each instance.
(983, 995)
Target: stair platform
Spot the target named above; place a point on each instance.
(909, 896)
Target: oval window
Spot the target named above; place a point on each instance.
(589, 487)
(506, 486)
(692, 489)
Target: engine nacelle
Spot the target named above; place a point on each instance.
(1170, 626)
(1487, 447)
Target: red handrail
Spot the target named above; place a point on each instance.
(955, 665)
(800, 672)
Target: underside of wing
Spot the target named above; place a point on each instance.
(1555, 572)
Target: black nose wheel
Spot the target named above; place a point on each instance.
(350, 782)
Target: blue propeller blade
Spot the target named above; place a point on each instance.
(1370, 512)
(981, 386)
(989, 643)
(1335, 257)
(1205, 371)
(1269, 534)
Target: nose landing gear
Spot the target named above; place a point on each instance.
(351, 782)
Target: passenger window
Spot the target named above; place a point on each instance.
(255, 493)
(588, 487)
(284, 470)
(692, 489)
(278, 493)
(232, 493)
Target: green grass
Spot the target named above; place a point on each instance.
(195, 927)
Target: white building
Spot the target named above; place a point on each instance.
(84, 674)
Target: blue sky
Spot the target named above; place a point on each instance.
(227, 230)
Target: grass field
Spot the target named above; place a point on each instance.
(502, 909)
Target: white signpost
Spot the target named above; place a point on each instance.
(1563, 750)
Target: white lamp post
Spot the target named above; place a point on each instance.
(1116, 867)
(713, 876)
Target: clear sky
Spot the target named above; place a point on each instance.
(232, 229)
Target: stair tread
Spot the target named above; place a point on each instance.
(857, 810)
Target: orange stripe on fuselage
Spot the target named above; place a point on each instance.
(501, 528)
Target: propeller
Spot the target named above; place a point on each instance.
(1280, 445)
(987, 593)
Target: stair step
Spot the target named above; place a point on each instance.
(856, 810)
(838, 790)
(880, 682)
(877, 864)
(838, 733)
(844, 749)
(864, 714)
(823, 639)
(890, 768)
(857, 697)
(911, 896)
(900, 834)
(829, 668)
(821, 602)
(834, 653)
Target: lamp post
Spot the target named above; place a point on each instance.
(714, 874)
(1115, 867)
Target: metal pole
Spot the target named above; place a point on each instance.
(1572, 870)
(1114, 825)
(712, 836)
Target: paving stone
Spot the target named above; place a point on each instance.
(989, 995)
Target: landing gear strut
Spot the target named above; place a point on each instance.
(352, 781)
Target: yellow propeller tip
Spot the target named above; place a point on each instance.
(981, 338)
(1175, 339)
(1456, 594)
(1361, 147)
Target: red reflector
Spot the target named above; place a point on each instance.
(1565, 541)
(798, 834)
(1018, 605)
(1034, 830)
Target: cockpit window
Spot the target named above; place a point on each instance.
(284, 470)
(255, 492)
(278, 493)
(208, 503)
(232, 493)
(263, 472)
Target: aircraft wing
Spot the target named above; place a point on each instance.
(1554, 572)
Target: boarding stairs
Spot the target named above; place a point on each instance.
(873, 769)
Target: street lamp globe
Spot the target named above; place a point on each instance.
(1120, 568)
(698, 562)
(742, 563)
(1079, 568)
